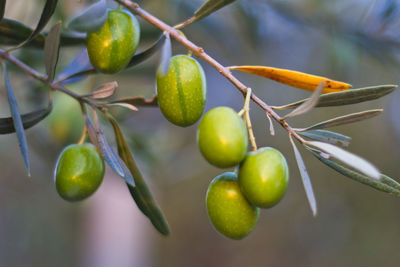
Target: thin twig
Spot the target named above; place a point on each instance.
(43, 78)
(199, 52)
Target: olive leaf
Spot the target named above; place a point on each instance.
(103, 91)
(47, 12)
(51, 50)
(166, 53)
(28, 120)
(346, 158)
(141, 193)
(305, 178)
(346, 119)
(2, 8)
(307, 105)
(17, 121)
(91, 19)
(13, 32)
(100, 141)
(348, 97)
(137, 101)
(206, 9)
(327, 136)
(385, 183)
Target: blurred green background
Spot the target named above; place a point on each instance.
(356, 41)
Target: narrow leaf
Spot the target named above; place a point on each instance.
(307, 105)
(108, 153)
(146, 54)
(305, 178)
(138, 101)
(2, 8)
(346, 158)
(90, 19)
(79, 65)
(346, 119)
(166, 53)
(327, 136)
(47, 12)
(295, 78)
(206, 9)
(51, 50)
(124, 105)
(348, 97)
(28, 120)
(104, 90)
(17, 121)
(383, 184)
(141, 193)
(13, 33)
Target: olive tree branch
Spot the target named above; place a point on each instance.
(43, 78)
(199, 52)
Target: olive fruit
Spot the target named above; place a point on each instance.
(222, 137)
(263, 177)
(181, 91)
(229, 211)
(79, 172)
(111, 47)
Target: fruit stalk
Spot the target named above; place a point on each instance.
(199, 52)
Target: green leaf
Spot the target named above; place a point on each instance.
(2, 8)
(90, 19)
(47, 12)
(206, 9)
(347, 97)
(17, 121)
(28, 120)
(13, 32)
(146, 54)
(138, 101)
(113, 160)
(141, 193)
(306, 106)
(166, 53)
(385, 184)
(346, 158)
(346, 119)
(51, 50)
(305, 178)
(327, 137)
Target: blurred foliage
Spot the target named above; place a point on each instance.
(356, 41)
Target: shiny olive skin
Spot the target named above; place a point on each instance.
(111, 48)
(263, 177)
(79, 172)
(182, 91)
(222, 137)
(229, 211)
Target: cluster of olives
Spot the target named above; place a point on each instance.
(80, 168)
(233, 200)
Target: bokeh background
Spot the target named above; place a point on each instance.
(356, 41)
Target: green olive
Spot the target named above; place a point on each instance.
(111, 48)
(181, 92)
(222, 137)
(79, 172)
(229, 211)
(263, 177)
